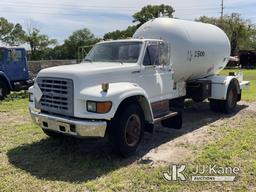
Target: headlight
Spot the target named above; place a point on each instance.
(91, 106)
(31, 97)
(99, 107)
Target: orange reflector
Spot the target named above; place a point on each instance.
(104, 107)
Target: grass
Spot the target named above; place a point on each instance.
(30, 161)
(15, 102)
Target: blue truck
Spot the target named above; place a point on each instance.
(14, 74)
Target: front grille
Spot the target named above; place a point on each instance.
(57, 96)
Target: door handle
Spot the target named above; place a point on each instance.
(135, 72)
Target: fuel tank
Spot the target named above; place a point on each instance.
(197, 49)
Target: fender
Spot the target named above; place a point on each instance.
(116, 93)
(220, 86)
(6, 79)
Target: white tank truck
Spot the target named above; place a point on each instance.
(124, 87)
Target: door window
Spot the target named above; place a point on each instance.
(14, 55)
(156, 54)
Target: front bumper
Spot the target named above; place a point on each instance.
(22, 85)
(69, 126)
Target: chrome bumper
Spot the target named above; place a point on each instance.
(70, 126)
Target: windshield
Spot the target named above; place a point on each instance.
(125, 52)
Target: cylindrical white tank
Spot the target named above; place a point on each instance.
(197, 49)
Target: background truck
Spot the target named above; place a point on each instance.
(14, 75)
(124, 87)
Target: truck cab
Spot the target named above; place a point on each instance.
(85, 100)
(14, 73)
(151, 57)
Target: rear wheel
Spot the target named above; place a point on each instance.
(4, 90)
(126, 129)
(228, 105)
(232, 98)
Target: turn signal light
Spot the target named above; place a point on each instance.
(104, 107)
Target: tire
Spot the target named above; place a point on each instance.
(230, 103)
(173, 122)
(4, 90)
(126, 129)
(226, 106)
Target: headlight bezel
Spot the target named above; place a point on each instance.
(100, 107)
(30, 97)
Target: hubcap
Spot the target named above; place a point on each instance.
(133, 130)
(1, 92)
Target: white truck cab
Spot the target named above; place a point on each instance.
(122, 89)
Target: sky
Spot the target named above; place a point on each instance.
(59, 18)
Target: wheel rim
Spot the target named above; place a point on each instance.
(1, 92)
(232, 98)
(133, 130)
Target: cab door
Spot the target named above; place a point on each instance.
(156, 74)
(165, 70)
(15, 65)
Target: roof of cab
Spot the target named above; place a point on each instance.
(6, 46)
(129, 40)
(11, 47)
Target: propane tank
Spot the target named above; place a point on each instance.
(197, 50)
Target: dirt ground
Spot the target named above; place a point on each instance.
(199, 125)
(13, 118)
(166, 145)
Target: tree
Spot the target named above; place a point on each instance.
(152, 11)
(241, 33)
(10, 33)
(38, 43)
(58, 52)
(121, 34)
(79, 38)
(145, 14)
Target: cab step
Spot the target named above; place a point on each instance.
(165, 116)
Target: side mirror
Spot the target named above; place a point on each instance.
(163, 60)
(164, 54)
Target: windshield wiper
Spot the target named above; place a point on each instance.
(88, 60)
(120, 61)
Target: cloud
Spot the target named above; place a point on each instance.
(59, 18)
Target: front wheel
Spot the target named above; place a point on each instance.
(126, 129)
(3, 90)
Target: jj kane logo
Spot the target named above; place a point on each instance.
(201, 173)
